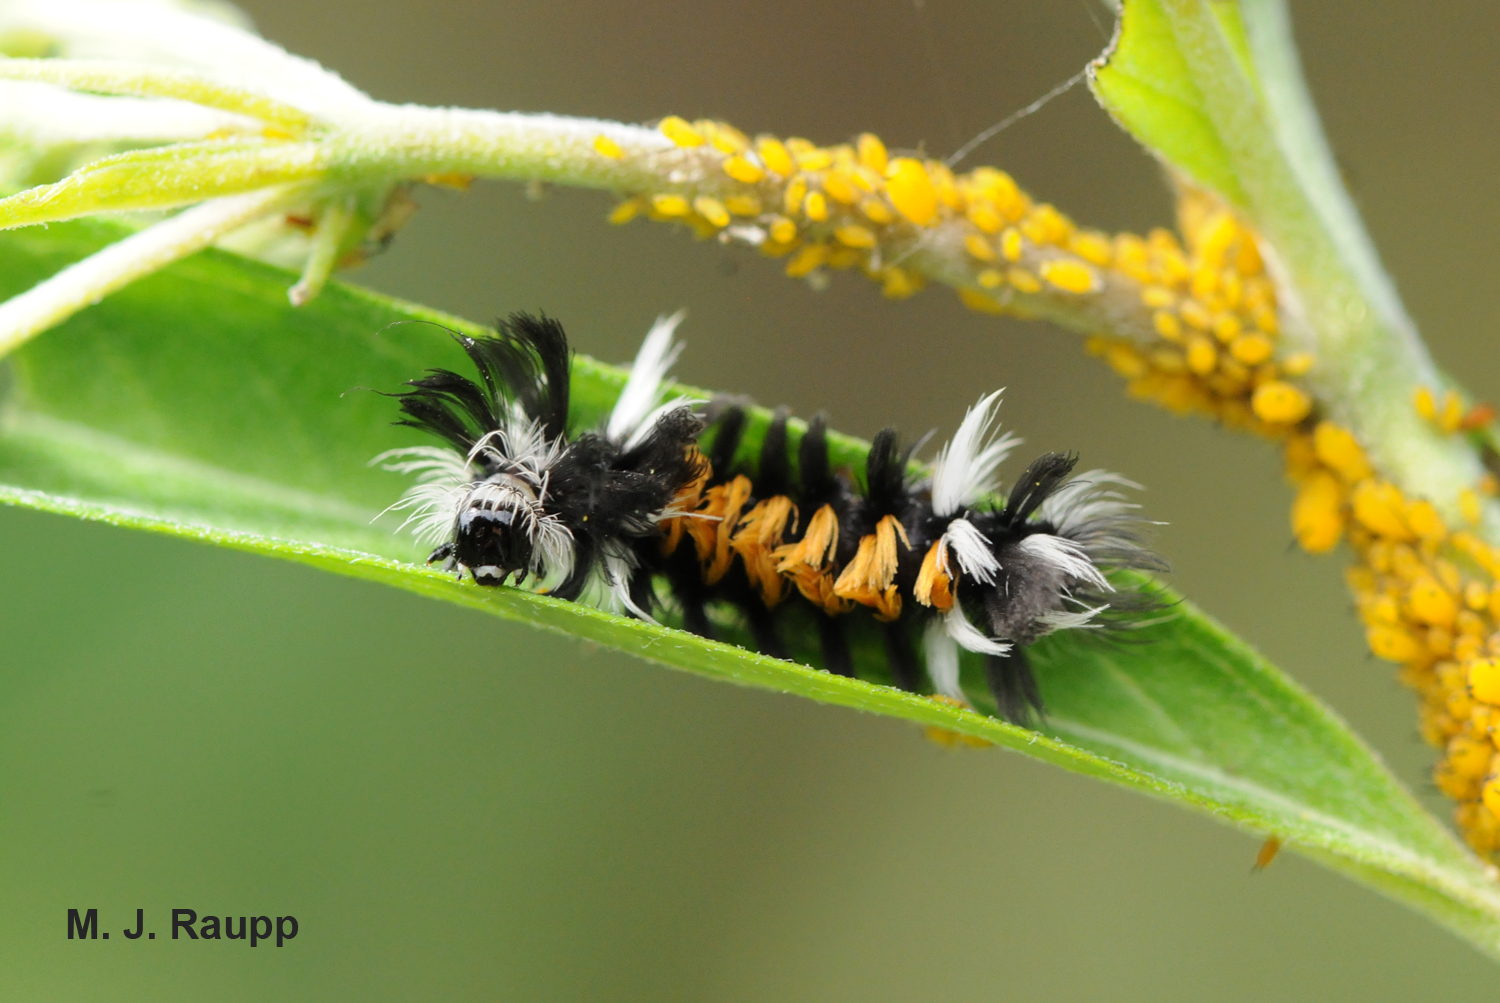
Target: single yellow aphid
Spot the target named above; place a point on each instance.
(743, 205)
(1484, 680)
(1167, 325)
(979, 248)
(1093, 247)
(1279, 403)
(877, 211)
(626, 211)
(807, 260)
(796, 191)
(1470, 507)
(1010, 244)
(1069, 276)
(671, 205)
(1430, 603)
(1423, 518)
(680, 132)
(910, 190)
(1158, 297)
(1024, 281)
(712, 210)
(978, 301)
(1251, 349)
(1393, 644)
(898, 284)
(990, 278)
(1476, 596)
(1380, 508)
(1338, 449)
(854, 235)
(1202, 357)
(783, 230)
(872, 152)
(840, 188)
(1298, 364)
(984, 215)
(1453, 413)
(1423, 401)
(606, 147)
(775, 156)
(742, 169)
(1318, 514)
(815, 206)
(1196, 314)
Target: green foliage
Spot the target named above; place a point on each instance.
(198, 403)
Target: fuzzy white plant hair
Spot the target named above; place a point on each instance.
(637, 411)
(964, 471)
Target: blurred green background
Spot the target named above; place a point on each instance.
(456, 808)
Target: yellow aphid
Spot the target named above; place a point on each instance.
(796, 191)
(1125, 360)
(626, 211)
(1469, 756)
(1430, 603)
(743, 205)
(1010, 244)
(1278, 403)
(840, 188)
(1423, 518)
(843, 257)
(976, 300)
(783, 230)
(712, 210)
(1423, 401)
(898, 284)
(1452, 415)
(1393, 644)
(979, 248)
(1024, 281)
(1470, 507)
(1069, 275)
(813, 158)
(1214, 238)
(1318, 513)
(1001, 189)
(1158, 297)
(877, 211)
(1205, 282)
(1045, 225)
(1092, 246)
(1201, 355)
(872, 152)
(984, 215)
(910, 190)
(854, 235)
(944, 184)
(680, 132)
(1490, 794)
(1167, 325)
(1299, 364)
(1251, 349)
(727, 139)
(1337, 447)
(1196, 314)
(742, 169)
(1483, 677)
(990, 278)
(1379, 507)
(671, 205)
(815, 206)
(807, 260)
(1227, 327)
(775, 156)
(606, 147)
(1476, 596)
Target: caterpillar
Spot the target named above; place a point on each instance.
(604, 515)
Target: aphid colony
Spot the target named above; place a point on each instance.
(603, 515)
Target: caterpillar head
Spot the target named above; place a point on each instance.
(496, 530)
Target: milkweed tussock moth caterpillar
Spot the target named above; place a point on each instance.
(936, 563)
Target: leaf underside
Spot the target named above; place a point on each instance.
(198, 403)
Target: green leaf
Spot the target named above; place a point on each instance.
(198, 403)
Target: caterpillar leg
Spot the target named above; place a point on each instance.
(763, 628)
(835, 644)
(902, 656)
(1013, 685)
